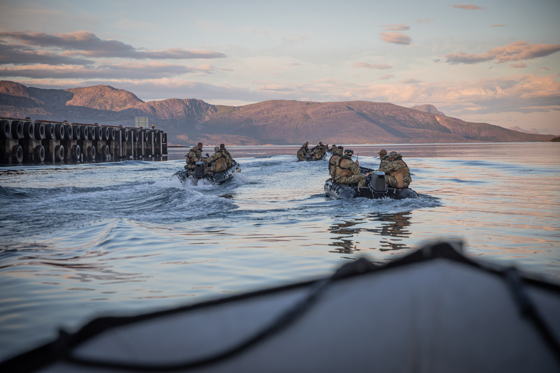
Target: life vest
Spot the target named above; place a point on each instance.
(400, 174)
(333, 162)
(220, 162)
(341, 169)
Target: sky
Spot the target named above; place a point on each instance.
(494, 62)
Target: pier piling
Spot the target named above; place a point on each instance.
(51, 142)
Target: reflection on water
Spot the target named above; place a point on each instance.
(392, 229)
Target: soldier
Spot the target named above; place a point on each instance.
(192, 157)
(333, 149)
(333, 161)
(229, 158)
(318, 152)
(302, 152)
(384, 160)
(217, 162)
(397, 172)
(348, 172)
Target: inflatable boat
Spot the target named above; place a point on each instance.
(376, 187)
(434, 310)
(199, 173)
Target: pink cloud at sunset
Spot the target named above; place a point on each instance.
(396, 38)
(124, 70)
(85, 43)
(520, 50)
(397, 27)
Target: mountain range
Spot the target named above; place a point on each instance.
(188, 121)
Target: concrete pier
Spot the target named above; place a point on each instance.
(26, 141)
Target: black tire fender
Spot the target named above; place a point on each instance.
(17, 130)
(68, 132)
(50, 131)
(40, 154)
(40, 131)
(5, 129)
(59, 152)
(59, 131)
(17, 153)
(28, 130)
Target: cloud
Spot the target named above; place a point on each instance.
(276, 87)
(410, 81)
(87, 44)
(520, 50)
(518, 65)
(395, 38)
(381, 66)
(498, 25)
(20, 55)
(468, 58)
(468, 7)
(386, 77)
(396, 27)
(125, 70)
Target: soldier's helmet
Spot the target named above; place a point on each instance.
(320, 143)
(195, 147)
(217, 148)
(393, 154)
(349, 151)
(382, 152)
(222, 146)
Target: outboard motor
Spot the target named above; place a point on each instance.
(199, 169)
(377, 182)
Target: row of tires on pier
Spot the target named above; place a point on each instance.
(39, 141)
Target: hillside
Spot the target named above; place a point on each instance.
(188, 121)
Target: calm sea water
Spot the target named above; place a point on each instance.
(81, 241)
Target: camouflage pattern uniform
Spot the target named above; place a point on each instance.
(348, 172)
(302, 152)
(192, 157)
(229, 158)
(334, 147)
(217, 161)
(384, 163)
(333, 161)
(397, 172)
(318, 152)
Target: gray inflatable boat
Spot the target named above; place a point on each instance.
(434, 310)
(375, 188)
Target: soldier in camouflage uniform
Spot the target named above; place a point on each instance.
(397, 172)
(192, 157)
(217, 162)
(229, 158)
(333, 161)
(348, 172)
(384, 158)
(334, 148)
(302, 152)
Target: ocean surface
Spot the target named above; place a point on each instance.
(83, 241)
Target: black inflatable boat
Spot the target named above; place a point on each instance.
(434, 310)
(375, 188)
(199, 173)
